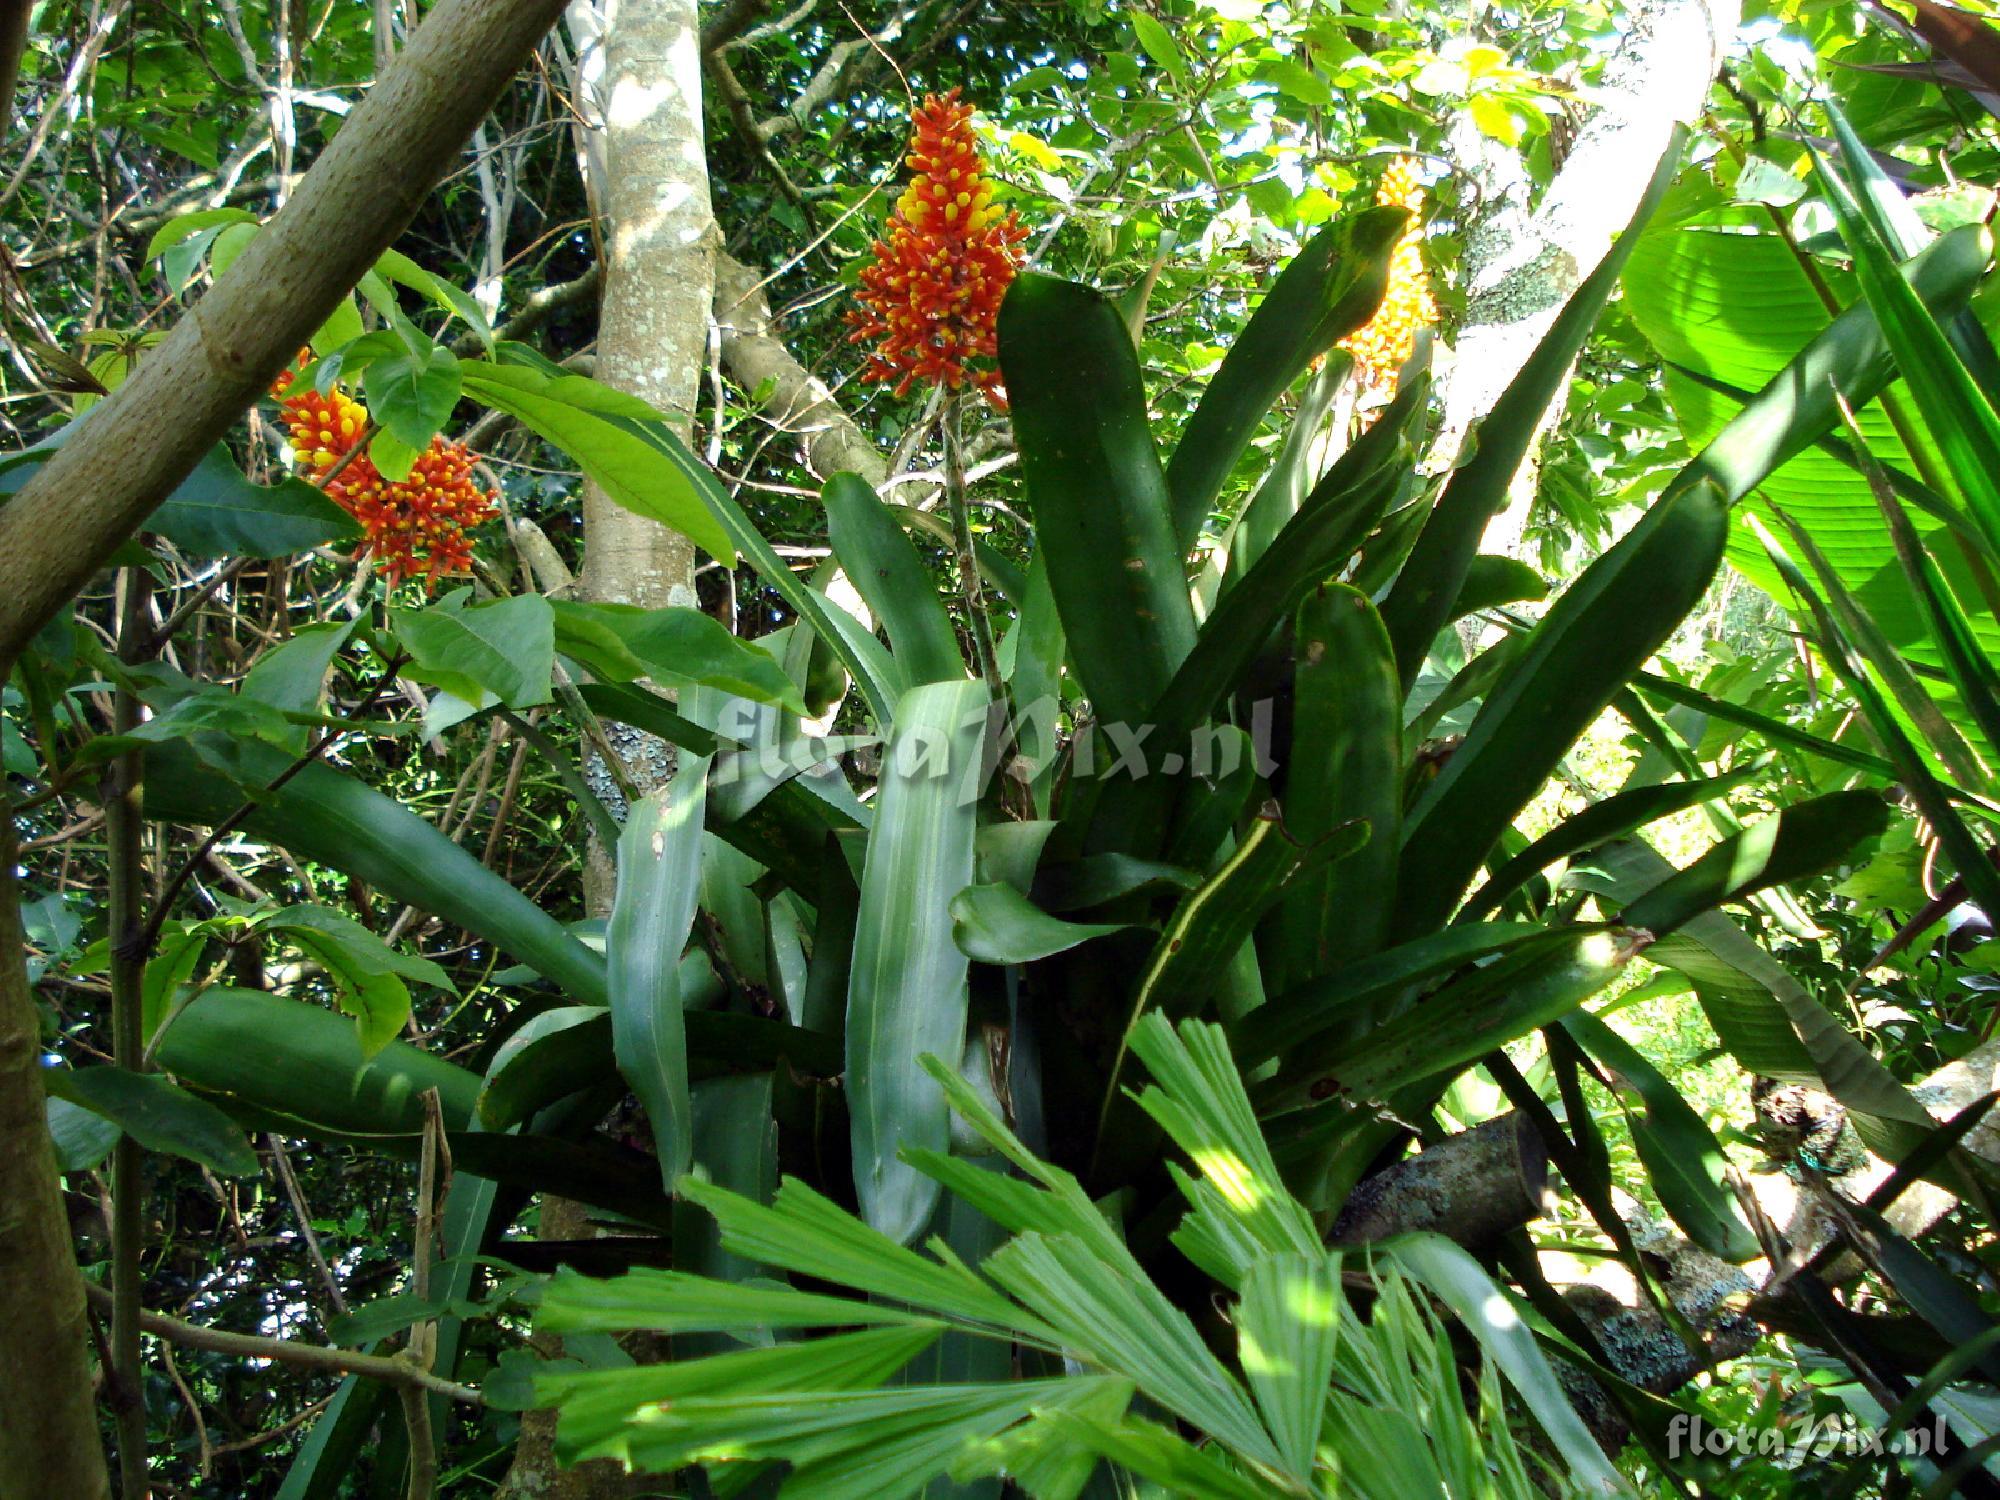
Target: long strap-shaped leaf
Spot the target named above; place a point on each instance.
(322, 815)
(1330, 288)
(1601, 631)
(885, 567)
(1346, 764)
(1097, 492)
(659, 876)
(1419, 606)
(906, 990)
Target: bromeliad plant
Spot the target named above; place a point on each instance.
(1236, 802)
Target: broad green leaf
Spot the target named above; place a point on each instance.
(1420, 604)
(1348, 998)
(1464, 1021)
(1329, 289)
(1346, 765)
(582, 418)
(1103, 517)
(1614, 817)
(1602, 629)
(271, 1058)
(906, 992)
(1733, 313)
(181, 226)
(411, 397)
(83, 1137)
(367, 971)
(291, 676)
(1802, 840)
(320, 814)
(659, 860)
(504, 649)
(159, 1115)
(1159, 45)
(884, 566)
(393, 265)
(997, 924)
(217, 512)
(673, 648)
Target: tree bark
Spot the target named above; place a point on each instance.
(1524, 259)
(68, 520)
(645, 165)
(798, 402)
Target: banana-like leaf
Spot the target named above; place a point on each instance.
(906, 992)
(1100, 502)
(1954, 410)
(1420, 604)
(884, 566)
(1732, 313)
(320, 814)
(1346, 766)
(1603, 628)
(1329, 289)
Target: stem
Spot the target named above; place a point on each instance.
(391, 1369)
(125, 920)
(969, 586)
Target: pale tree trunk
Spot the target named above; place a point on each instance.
(1524, 259)
(82, 505)
(645, 164)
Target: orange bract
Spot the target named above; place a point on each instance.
(1382, 345)
(416, 526)
(930, 296)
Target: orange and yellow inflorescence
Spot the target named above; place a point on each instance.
(930, 296)
(1382, 345)
(416, 526)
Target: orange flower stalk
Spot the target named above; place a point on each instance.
(930, 296)
(1382, 345)
(416, 526)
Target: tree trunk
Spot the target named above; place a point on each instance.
(72, 515)
(638, 78)
(1524, 259)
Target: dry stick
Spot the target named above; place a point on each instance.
(298, 1201)
(422, 1346)
(391, 1369)
(969, 586)
(124, 833)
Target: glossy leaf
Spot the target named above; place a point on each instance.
(997, 924)
(322, 815)
(1329, 289)
(159, 1115)
(884, 566)
(1098, 495)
